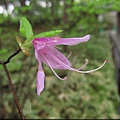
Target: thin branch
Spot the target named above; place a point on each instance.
(3, 63)
(13, 91)
(8, 60)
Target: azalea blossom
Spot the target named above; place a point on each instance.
(46, 52)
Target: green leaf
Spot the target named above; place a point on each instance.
(25, 28)
(48, 34)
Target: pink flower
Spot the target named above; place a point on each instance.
(45, 51)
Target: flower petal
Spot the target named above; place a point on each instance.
(37, 44)
(40, 43)
(40, 82)
(40, 75)
(53, 63)
(37, 56)
(72, 41)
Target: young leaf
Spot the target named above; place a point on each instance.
(25, 28)
(48, 34)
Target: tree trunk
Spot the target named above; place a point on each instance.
(65, 15)
(66, 25)
(52, 11)
(22, 2)
(118, 23)
(6, 5)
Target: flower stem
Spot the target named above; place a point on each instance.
(13, 91)
(4, 63)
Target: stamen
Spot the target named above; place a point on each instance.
(70, 68)
(95, 69)
(57, 47)
(69, 54)
(86, 62)
(54, 71)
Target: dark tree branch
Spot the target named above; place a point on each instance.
(13, 91)
(3, 63)
(8, 60)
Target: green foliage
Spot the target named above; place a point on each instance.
(26, 29)
(48, 34)
(79, 14)
(3, 18)
(3, 51)
(27, 107)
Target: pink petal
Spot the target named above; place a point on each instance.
(40, 82)
(46, 39)
(40, 75)
(40, 43)
(37, 44)
(37, 56)
(72, 41)
(53, 63)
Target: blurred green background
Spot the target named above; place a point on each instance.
(91, 95)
